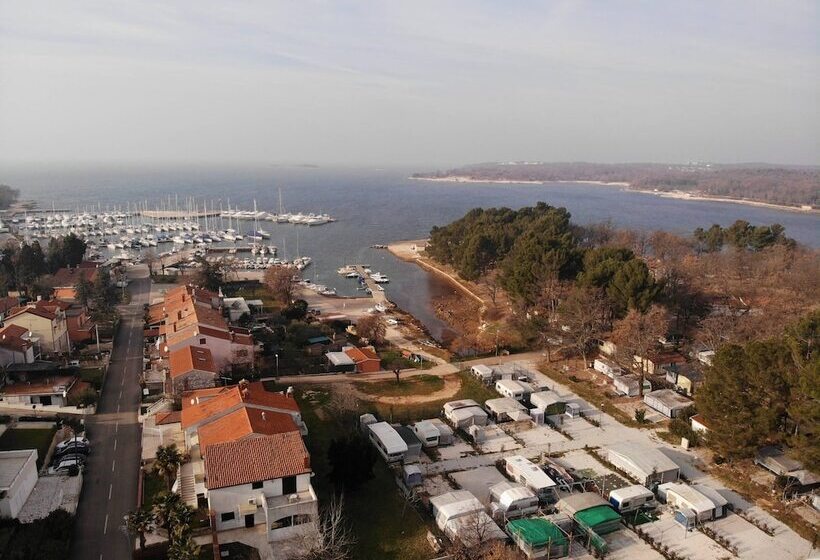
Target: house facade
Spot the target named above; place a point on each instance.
(15, 346)
(191, 367)
(47, 325)
(270, 485)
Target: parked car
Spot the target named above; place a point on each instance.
(77, 448)
(80, 439)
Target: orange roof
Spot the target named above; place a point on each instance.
(190, 358)
(250, 394)
(47, 386)
(163, 418)
(156, 313)
(34, 310)
(361, 354)
(68, 277)
(255, 459)
(243, 423)
(11, 337)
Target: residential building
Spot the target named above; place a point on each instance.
(191, 367)
(461, 517)
(365, 358)
(18, 476)
(262, 480)
(16, 346)
(607, 367)
(46, 324)
(654, 362)
(46, 391)
(66, 279)
(340, 362)
(694, 504)
(464, 413)
(591, 511)
(529, 474)
(81, 329)
(506, 409)
(686, 377)
(390, 445)
(512, 389)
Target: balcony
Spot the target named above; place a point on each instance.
(290, 515)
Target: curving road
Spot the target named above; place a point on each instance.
(110, 485)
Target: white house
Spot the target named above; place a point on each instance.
(512, 389)
(18, 476)
(667, 402)
(388, 442)
(607, 367)
(445, 432)
(464, 413)
(629, 385)
(511, 500)
(647, 465)
(262, 480)
(532, 476)
(461, 517)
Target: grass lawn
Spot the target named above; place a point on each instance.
(471, 388)
(93, 376)
(152, 486)
(28, 438)
(385, 527)
(418, 385)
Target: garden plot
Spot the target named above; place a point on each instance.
(457, 450)
(626, 545)
(437, 484)
(751, 542)
(478, 481)
(692, 545)
(542, 436)
(496, 440)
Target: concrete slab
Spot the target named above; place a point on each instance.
(458, 449)
(692, 545)
(626, 545)
(478, 481)
(497, 441)
(437, 484)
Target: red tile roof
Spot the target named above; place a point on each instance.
(361, 354)
(249, 394)
(255, 459)
(47, 386)
(190, 358)
(243, 423)
(163, 418)
(11, 337)
(69, 277)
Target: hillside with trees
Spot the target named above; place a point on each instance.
(790, 186)
(8, 196)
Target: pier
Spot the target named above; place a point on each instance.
(179, 214)
(378, 295)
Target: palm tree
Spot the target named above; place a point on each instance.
(183, 549)
(164, 506)
(168, 460)
(139, 522)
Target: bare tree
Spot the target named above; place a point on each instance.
(475, 537)
(639, 332)
(333, 539)
(583, 317)
(150, 259)
(279, 280)
(372, 328)
(343, 407)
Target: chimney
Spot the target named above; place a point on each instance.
(264, 416)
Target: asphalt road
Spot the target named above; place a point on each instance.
(110, 485)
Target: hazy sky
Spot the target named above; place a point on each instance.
(410, 82)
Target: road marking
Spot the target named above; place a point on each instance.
(114, 462)
(115, 444)
(105, 527)
(118, 408)
(110, 488)
(120, 397)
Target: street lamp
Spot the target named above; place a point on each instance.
(277, 366)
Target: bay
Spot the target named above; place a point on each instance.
(373, 206)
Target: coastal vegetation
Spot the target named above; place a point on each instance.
(8, 196)
(24, 266)
(790, 186)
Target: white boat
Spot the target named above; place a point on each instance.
(379, 278)
(328, 292)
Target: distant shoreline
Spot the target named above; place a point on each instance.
(679, 195)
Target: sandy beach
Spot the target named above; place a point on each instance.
(680, 195)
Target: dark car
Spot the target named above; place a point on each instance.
(77, 448)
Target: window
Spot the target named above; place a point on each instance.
(289, 485)
(256, 485)
(227, 517)
(202, 341)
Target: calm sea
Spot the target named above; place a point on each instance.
(375, 206)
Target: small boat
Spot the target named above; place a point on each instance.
(379, 278)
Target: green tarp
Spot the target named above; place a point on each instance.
(597, 515)
(536, 532)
